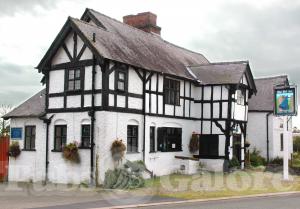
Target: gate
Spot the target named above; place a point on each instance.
(4, 146)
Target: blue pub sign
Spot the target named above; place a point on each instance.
(16, 133)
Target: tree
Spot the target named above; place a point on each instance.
(296, 130)
(4, 124)
(296, 143)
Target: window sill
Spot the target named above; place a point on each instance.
(84, 147)
(132, 153)
(29, 150)
(177, 105)
(171, 151)
(56, 150)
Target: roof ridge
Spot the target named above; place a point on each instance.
(271, 77)
(84, 22)
(148, 34)
(119, 22)
(219, 63)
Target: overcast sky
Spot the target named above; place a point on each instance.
(265, 32)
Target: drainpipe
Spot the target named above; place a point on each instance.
(144, 116)
(268, 141)
(47, 121)
(91, 113)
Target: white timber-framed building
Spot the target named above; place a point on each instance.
(107, 80)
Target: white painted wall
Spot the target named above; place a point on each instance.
(257, 134)
(30, 165)
(61, 171)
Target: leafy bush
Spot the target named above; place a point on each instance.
(296, 143)
(276, 161)
(70, 152)
(127, 177)
(234, 162)
(14, 149)
(118, 149)
(194, 143)
(256, 159)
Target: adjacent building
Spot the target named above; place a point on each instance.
(107, 80)
(265, 130)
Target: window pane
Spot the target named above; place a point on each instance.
(33, 131)
(32, 142)
(71, 74)
(177, 99)
(121, 76)
(27, 143)
(86, 130)
(132, 138)
(57, 131)
(121, 85)
(77, 73)
(152, 139)
(64, 140)
(57, 143)
(85, 138)
(77, 84)
(71, 85)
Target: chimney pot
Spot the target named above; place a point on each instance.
(145, 21)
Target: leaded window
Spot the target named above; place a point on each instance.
(85, 136)
(60, 137)
(132, 138)
(74, 79)
(29, 143)
(172, 91)
(169, 139)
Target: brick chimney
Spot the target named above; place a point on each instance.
(145, 21)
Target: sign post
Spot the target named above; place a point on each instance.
(285, 106)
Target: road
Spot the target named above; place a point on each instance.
(275, 202)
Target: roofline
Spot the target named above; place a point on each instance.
(220, 63)
(21, 116)
(261, 111)
(271, 77)
(129, 26)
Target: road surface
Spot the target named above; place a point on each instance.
(275, 202)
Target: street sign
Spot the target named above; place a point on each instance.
(285, 101)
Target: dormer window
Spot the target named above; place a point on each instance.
(121, 80)
(74, 80)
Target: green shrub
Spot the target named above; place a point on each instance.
(296, 143)
(127, 177)
(256, 159)
(234, 162)
(276, 161)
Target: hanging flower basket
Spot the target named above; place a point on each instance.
(70, 152)
(14, 149)
(194, 143)
(118, 149)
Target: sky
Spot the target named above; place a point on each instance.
(264, 32)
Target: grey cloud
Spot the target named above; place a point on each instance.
(17, 83)
(268, 38)
(11, 7)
